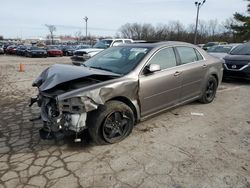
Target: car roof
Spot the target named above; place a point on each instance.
(158, 44)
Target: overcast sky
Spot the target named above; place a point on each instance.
(26, 18)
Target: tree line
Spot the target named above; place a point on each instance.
(236, 29)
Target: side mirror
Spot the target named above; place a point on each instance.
(153, 68)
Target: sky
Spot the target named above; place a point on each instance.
(27, 18)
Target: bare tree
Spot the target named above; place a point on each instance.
(78, 36)
(213, 27)
(52, 29)
(207, 31)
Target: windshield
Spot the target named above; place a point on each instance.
(243, 49)
(210, 44)
(103, 44)
(120, 60)
(220, 49)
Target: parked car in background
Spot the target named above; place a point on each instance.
(84, 54)
(53, 51)
(200, 45)
(11, 49)
(211, 44)
(121, 86)
(237, 63)
(20, 50)
(5, 46)
(82, 46)
(1, 49)
(221, 51)
(68, 50)
(34, 51)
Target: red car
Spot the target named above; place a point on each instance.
(53, 51)
(11, 49)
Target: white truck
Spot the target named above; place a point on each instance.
(84, 54)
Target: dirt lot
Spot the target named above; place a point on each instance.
(175, 149)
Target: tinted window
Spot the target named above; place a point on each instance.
(241, 50)
(165, 58)
(187, 54)
(220, 49)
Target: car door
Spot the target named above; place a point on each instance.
(193, 69)
(161, 89)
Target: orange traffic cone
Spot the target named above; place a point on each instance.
(21, 67)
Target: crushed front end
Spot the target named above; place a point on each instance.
(62, 118)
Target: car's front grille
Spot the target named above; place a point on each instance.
(236, 65)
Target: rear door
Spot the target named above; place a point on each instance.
(193, 69)
(160, 90)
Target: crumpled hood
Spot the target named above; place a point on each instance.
(59, 73)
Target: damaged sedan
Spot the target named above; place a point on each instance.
(121, 86)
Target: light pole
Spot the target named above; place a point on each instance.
(198, 5)
(86, 20)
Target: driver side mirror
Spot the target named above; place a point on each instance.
(153, 68)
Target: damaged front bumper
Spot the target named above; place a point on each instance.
(62, 118)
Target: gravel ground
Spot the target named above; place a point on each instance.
(175, 149)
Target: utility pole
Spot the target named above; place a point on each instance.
(198, 5)
(86, 27)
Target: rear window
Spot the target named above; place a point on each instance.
(187, 54)
(219, 49)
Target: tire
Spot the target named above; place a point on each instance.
(110, 123)
(209, 90)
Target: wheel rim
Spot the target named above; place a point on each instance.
(115, 127)
(211, 88)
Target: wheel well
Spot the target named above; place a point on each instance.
(216, 77)
(127, 102)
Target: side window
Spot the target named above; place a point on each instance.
(128, 41)
(199, 56)
(165, 58)
(117, 42)
(187, 54)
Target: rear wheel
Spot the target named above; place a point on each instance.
(110, 123)
(209, 90)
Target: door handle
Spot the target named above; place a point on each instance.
(177, 73)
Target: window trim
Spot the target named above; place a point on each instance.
(141, 72)
(178, 64)
(179, 57)
(195, 53)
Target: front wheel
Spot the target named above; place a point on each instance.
(209, 90)
(110, 123)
